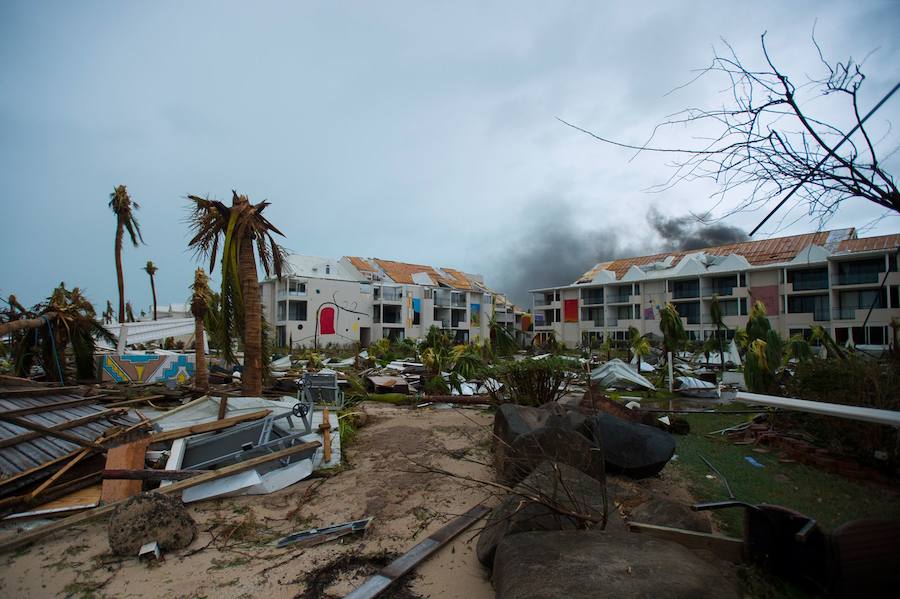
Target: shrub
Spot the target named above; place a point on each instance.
(530, 382)
(855, 381)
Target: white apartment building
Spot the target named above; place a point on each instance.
(846, 284)
(323, 301)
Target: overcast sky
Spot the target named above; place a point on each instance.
(415, 131)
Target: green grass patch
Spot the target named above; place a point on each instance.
(831, 499)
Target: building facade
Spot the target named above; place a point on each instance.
(354, 300)
(846, 284)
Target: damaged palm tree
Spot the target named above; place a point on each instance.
(238, 228)
(200, 299)
(123, 207)
(66, 319)
(151, 270)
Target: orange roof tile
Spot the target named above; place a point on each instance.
(360, 264)
(866, 244)
(764, 251)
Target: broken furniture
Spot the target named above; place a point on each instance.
(240, 443)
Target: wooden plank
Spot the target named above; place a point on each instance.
(726, 548)
(223, 407)
(71, 438)
(63, 426)
(49, 407)
(127, 456)
(38, 391)
(150, 474)
(206, 427)
(376, 585)
(15, 540)
(56, 476)
(129, 402)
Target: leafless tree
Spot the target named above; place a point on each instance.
(771, 142)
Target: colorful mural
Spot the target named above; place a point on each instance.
(146, 368)
(475, 314)
(769, 296)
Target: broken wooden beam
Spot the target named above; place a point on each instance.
(150, 474)
(14, 540)
(727, 548)
(71, 438)
(375, 585)
(129, 402)
(62, 426)
(49, 407)
(38, 391)
(206, 427)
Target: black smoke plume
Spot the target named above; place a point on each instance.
(687, 233)
(556, 251)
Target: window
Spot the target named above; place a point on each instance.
(296, 287)
(637, 289)
(895, 296)
(742, 279)
(327, 269)
(281, 336)
(429, 293)
(637, 311)
(297, 310)
(814, 278)
(809, 304)
(743, 306)
(556, 315)
(417, 318)
(282, 311)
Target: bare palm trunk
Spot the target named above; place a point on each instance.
(153, 289)
(251, 378)
(119, 276)
(721, 347)
(18, 325)
(201, 376)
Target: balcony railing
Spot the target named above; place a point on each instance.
(596, 322)
(721, 291)
(822, 315)
(844, 313)
(390, 294)
(810, 284)
(619, 298)
(592, 299)
(858, 278)
(685, 293)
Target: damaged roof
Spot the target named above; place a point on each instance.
(868, 244)
(22, 449)
(403, 272)
(764, 251)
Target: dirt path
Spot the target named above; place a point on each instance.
(233, 555)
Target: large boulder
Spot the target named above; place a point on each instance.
(551, 484)
(147, 518)
(663, 512)
(547, 565)
(526, 436)
(632, 449)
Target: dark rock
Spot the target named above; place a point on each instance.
(150, 517)
(548, 565)
(559, 485)
(663, 512)
(525, 436)
(552, 443)
(633, 449)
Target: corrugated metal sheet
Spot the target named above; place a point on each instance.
(34, 452)
(868, 244)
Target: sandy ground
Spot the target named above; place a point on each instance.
(233, 554)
